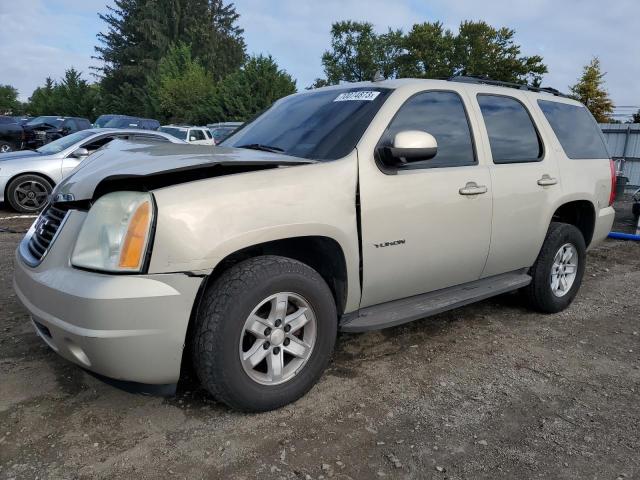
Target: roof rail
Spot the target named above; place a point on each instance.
(498, 83)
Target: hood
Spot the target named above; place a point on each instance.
(4, 157)
(123, 164)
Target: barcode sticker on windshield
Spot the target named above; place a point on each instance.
(364, 95)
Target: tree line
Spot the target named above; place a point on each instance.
(186, 61)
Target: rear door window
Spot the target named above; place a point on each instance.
(512, 135)
(576, 129)
(196, 135)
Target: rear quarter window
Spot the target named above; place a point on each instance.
(576, 129)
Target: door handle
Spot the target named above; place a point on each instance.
(547, 180)
(472, 188)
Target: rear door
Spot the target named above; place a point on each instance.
(525, 179)
(423, 228)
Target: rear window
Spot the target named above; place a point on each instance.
(576, 130)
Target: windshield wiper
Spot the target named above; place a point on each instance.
(261, 147)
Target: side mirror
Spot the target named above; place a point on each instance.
(409, 146)
(80, 153)
(192, 138)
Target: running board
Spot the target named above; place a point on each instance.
(408, 309)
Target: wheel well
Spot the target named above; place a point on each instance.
(37, 174)
(579, 213)
(323, 254)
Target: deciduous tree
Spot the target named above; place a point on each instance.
(258, 84)
(181, 90)
(428, 50)
(8, 99)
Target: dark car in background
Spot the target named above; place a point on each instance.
(42, 130)
(11, 134)
(125, 121)
(221, 131)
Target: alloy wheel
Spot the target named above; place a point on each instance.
(278, 338)
(31, 195)
(564, 269)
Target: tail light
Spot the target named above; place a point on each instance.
(612, 196)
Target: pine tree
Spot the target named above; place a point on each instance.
(141, 32)
(590, 91)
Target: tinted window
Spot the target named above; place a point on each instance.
(441, 114)
(220, 133)
(71, 124)
(176, 132)
(320, 124)
(512, 135)
(102, 120)
(122, 122)
(53, 121)
(576, 129)
(65, 142)
(196, 135)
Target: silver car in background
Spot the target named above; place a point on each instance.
(28, 177)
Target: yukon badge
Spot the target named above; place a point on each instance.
(390, 244)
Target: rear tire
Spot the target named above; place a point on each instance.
(28, 193)
(223, 338)
(558, 270)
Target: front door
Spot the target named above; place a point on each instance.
(428, 225)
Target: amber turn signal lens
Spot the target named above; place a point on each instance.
(136, 237)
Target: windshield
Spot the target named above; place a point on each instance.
(65, 142)
(176, 132)
(102, 120)
(122, 122)
(319, 125)
(220, 133)
(53, 121)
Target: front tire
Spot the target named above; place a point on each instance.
(264, 333)
(558, 270)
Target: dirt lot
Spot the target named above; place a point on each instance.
(488, 391)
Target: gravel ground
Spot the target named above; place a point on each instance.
(487, 391)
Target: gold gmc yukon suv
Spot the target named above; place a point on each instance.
(353, 207)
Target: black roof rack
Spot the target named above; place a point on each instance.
(498, 83)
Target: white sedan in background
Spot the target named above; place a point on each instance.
(194, 135)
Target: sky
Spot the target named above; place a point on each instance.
(44, 37)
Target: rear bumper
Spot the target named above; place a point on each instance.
(127, 327)
(604, 222)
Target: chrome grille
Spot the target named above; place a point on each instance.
(44, 232)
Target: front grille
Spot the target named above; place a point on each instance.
(44, 231)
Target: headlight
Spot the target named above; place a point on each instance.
(115, 234)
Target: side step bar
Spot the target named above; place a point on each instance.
(397, 312)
